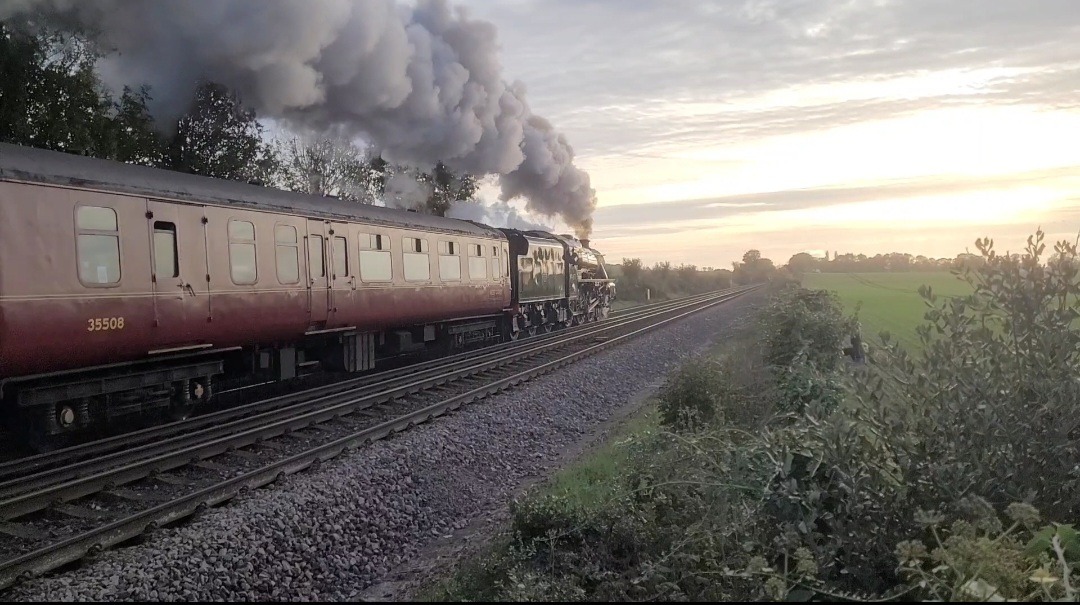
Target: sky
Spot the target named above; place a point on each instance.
(866, 126)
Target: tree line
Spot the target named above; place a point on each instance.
(52, 97)
(893, 262)
(663, 280)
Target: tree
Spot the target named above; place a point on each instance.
(447, 188)
(221, 139)
(687, 273)
(632, 269)
(330, 167)
(51, 97)
(802, 263)
(754, 269)
(132, 137)
(49, 93)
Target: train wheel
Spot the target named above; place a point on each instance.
(188, 395)
(545, 328)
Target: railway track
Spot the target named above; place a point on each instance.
(63, 506)
(16, 473)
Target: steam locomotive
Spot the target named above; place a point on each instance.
(127, 291)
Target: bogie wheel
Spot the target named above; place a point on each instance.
(187, 396)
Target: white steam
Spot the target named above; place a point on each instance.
(497, 214)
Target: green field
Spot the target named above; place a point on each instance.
(890, 301)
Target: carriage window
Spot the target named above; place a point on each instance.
(375, 265)
(477, 264)
(495, 263)
(166, 258)
(375, 262)
(242, 252)
(98, 245)
(413, 244)
(415, 258)
(526, 273)
(288, 254)
(449, 263)
(374, 241)
(316, 266)
(341, 257)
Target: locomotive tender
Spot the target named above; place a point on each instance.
(126, 290)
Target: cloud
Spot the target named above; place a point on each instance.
(603, 70)
(678, 216)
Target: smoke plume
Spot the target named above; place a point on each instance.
(405, 192)
(497, 214)
(423, 83)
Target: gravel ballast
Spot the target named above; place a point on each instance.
(331, 533)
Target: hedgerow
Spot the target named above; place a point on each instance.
(785, 472)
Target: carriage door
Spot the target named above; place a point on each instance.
(341, 268)
(318, 283)
(177, 242)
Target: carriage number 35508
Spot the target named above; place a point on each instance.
(104, 323)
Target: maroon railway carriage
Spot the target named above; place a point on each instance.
(125, 289)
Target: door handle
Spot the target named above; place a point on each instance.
(186, 288)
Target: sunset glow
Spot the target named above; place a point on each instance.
(930, 134)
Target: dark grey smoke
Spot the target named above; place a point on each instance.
(424, 83)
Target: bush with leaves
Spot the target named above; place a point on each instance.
(803, 333)
(979, 558)
(804, 323)
(989, 407)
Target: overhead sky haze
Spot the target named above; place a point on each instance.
(710, 127)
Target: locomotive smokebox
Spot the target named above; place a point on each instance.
(585, 243)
